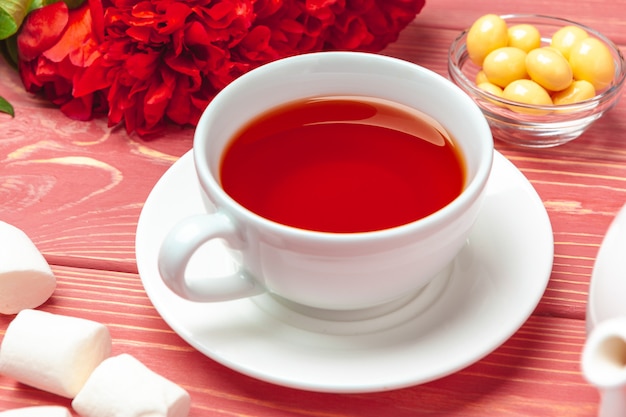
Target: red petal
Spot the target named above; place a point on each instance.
(142, 65)
(160, 90)
(157, 97)
(313, 5)
(220, 10)
(195, 34)
(139, 33)
(77, 33)
(41, 30)
(92, 79)
(78, 108)
(97, 19)
(175, 18)
(183, 64)
(29, 78)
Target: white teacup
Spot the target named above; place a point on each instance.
(339, 271)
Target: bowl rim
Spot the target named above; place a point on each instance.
(458, 47)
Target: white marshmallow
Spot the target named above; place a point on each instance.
(37, 411)
(26, 280)
(124, 387)
(52, 352)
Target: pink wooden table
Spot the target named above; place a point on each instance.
(77, 189)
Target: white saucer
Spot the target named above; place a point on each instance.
(607, 290)
(490, 290)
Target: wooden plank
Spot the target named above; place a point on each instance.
(77, 189)
(604, 16)
(536, 372)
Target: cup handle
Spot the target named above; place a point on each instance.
(183, 240)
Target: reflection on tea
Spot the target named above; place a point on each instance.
(342, 164)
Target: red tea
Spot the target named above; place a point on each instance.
(342, 164)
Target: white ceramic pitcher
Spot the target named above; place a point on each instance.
(604, 365)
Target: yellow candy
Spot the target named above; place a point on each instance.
(505, 65)
(577, 91)
(524, 36)
(528, 92)
(592, 61)
(564, 38)
(490, 88)
(481, 77)
(549, 69)
(487, 33)
(552, 48)
(516, 67)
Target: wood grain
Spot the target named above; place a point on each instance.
(77, 190)
(536, 372)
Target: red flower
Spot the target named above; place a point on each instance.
(164, 60)
(55, 44)
(160, 61)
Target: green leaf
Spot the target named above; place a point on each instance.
(12, 13)
(72, 4)
(35, 4)
(5, 107)
(8, 25)
(8, 48)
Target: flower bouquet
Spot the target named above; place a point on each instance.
(148, 63)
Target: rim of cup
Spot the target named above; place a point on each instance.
(470, 192)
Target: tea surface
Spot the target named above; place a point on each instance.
(342, 165)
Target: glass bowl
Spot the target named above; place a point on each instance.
(533, 125)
